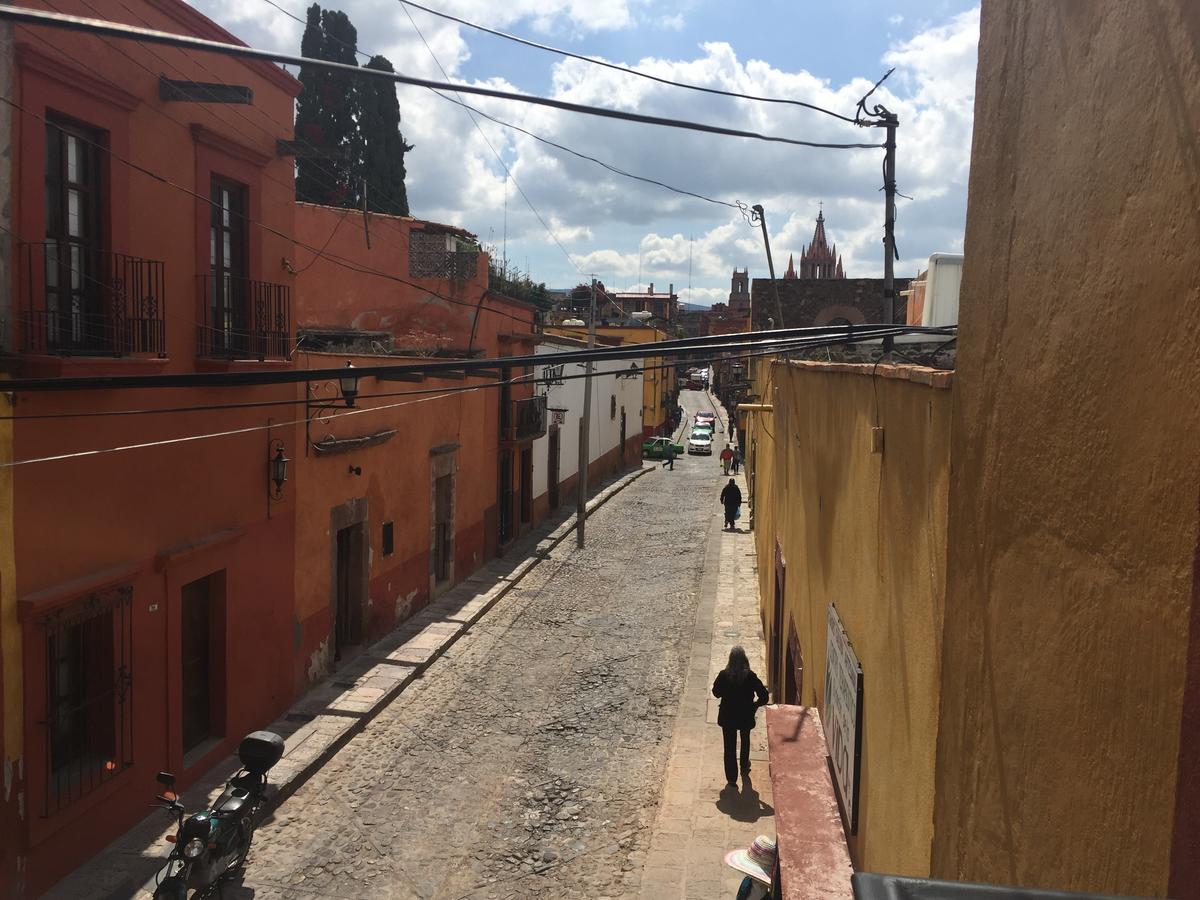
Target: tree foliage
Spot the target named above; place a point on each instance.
(352, 123)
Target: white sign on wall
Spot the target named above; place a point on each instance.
(843, 716)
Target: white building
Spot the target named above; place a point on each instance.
(615, 431)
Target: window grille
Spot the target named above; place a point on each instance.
(89, 697)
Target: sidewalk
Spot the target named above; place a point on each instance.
(700, 819)
(321, 722)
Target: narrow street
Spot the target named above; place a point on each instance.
(530, 758)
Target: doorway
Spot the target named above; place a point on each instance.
(552, 466)
(622, 437)
(201, 646)
(526, 485)
(793, 675)
(350, 589)
(443, 528)
(776, 646)
(505, 523)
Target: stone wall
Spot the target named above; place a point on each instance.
(820, 301)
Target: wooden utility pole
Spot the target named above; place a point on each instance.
(890, 121)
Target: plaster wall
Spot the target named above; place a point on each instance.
(865, 531)
(1073, 498)
(605, 428)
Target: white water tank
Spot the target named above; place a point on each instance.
(941, 290)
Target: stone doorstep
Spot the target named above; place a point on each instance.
(308, 747)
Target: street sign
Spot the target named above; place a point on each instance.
(843, 716)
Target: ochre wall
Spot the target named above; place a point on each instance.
(1072, 512)
(867, 532)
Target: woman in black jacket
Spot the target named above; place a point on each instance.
(742, 693)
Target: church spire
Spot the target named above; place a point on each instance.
(790, 274)
(819, 259)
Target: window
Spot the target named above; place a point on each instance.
(227, 307)
(389, 539)
(75, 317)
(89, 705)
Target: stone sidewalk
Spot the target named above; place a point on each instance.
(325, 719)
(700, 819)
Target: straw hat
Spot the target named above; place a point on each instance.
(758, 861)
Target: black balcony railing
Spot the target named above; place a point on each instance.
(529, 418)
(244, 319)
(77, 300)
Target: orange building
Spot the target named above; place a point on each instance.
(146, 597)
(427, 478)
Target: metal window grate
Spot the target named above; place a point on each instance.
(89, 698)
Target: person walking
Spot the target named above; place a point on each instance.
(670, 460)
(741, 693)
(737, 459)
(726, 459)
(731, 497)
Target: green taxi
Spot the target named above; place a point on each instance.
(656, 448)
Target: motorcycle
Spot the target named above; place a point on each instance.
(212, 845)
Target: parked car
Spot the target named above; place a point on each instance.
(656, 448)
(700, 442)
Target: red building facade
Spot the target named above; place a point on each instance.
(146, 622)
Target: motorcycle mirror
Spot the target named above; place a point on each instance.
(165, 778)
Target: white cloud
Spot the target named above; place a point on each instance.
(626, 231)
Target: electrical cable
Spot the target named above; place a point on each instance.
(626, 69)
(98, 26)
(336, 260)
(837, 334)
(499, 159)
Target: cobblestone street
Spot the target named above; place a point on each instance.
(530, 758)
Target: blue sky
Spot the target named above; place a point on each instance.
(822, 52)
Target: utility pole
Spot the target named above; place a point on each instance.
(585, 428)
(890, 121)
(761, 215)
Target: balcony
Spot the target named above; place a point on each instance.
(244, 319)
(75, 300)
(528, 419)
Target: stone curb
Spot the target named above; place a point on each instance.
(492, 597)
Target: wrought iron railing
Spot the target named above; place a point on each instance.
(75, 300)
(89, 696)
(529, 418)
(244, 319)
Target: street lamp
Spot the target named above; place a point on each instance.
(349, 384)
(277, 465)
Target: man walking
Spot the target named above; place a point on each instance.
(726, 459)
(670, 460)
(731, 497)
(737, 459)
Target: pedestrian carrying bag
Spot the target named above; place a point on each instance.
(737, 513)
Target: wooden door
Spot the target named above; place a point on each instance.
(195, 630)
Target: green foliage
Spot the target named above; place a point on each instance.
(516, 284)
(354, 123)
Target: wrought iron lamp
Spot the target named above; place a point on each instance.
(277, 466)
(349, 384)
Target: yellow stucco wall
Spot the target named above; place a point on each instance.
(1073, 499)
(865, 531)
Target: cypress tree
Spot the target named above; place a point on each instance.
(382, 144)
(327, 112)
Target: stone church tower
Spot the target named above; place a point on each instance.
(739, 293)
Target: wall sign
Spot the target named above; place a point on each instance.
(843, 716)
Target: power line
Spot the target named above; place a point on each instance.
(776, 338)
(99, 26)
(336, 260)
(499, 159)
(626, 69)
